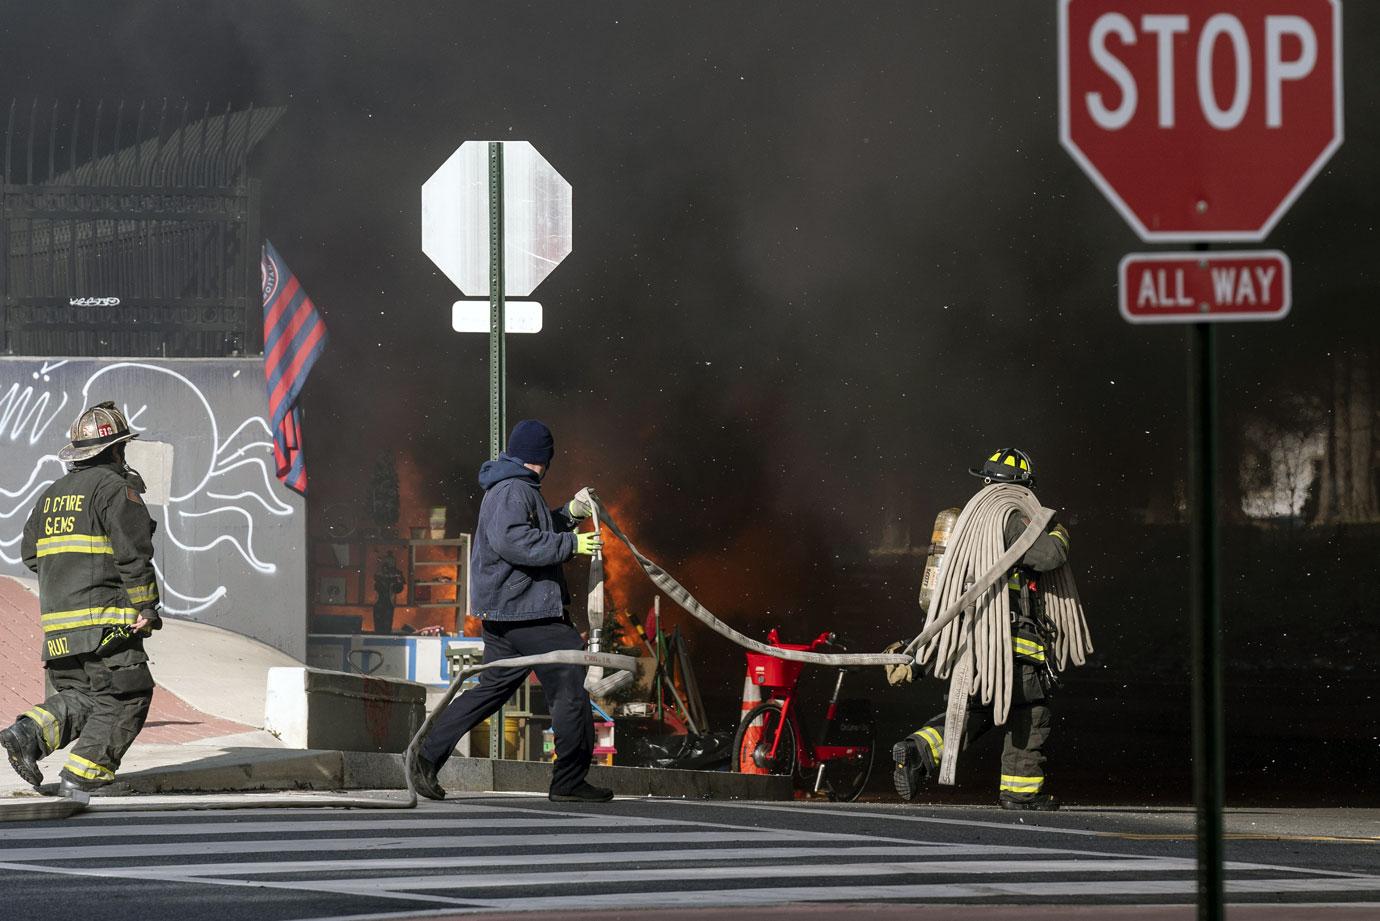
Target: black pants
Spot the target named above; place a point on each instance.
(1027, 730)
(102, 704)
(563, 685)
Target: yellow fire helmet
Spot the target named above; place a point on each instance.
(1009, 465)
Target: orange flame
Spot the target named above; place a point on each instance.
(621, 572)
(414, 500)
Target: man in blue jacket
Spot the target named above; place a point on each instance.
(519, 593)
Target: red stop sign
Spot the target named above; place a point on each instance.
(1200, 119)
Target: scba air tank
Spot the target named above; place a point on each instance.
(939, 541)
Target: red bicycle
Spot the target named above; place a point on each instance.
(769, 738)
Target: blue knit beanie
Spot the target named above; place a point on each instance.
(531, 442)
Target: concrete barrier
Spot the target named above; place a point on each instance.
(312, 708)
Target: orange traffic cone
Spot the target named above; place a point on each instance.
(752, 696)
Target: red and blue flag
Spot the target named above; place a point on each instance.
(294, 337)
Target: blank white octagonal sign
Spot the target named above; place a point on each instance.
(536, 218)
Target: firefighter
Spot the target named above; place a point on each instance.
(1028, 724)
(90, 539)
(518, 591)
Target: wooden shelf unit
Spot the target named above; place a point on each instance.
(451, 567)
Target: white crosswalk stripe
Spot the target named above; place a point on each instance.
(336, 825)
(512, 855)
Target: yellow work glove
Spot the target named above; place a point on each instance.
(898, 674)
(588, 543)
(577, 508)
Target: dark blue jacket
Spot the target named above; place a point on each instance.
(519, 546)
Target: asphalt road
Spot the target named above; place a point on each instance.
(670, 859)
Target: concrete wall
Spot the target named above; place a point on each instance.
(231, 545)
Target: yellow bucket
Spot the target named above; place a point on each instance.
(479, 737)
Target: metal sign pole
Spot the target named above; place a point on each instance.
(498, 352)
(498, 356)
(1206, 619)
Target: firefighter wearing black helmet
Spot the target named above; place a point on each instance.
(90, 539)
(1028, 725)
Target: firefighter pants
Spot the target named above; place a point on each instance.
(1027, 729)
(102, 704)
(563, 685)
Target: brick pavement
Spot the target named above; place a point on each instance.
(171, 720)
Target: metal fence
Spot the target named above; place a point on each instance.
(130, 231)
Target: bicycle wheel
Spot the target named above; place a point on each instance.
(845, 778)
(753, 748)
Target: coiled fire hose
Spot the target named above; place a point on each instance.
(974, 650)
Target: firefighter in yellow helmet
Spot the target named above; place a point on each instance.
(1028, 725)
(90, 539)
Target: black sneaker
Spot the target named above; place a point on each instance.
(24, 748)
(424, 780)
(586, 792)
(912, 768)
(1040, 802)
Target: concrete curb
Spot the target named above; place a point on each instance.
(277, 769)
(246, 769)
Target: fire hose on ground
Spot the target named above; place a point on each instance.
(970, 646)
(56, 808)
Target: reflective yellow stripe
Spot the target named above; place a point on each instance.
(88, 617)
(933, 740)
(1011, 783)
(1028, 648)
(89, 770)
(144, 594)
(1058, 535)
(48, 724)
(74, 543)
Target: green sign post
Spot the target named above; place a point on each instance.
(498, 348)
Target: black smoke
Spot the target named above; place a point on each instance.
(826, 257)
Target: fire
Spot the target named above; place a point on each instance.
(419, 491)
(622, 573)
(416, 497)
(741, 582)
(626, 586)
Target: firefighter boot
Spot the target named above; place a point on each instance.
(75, 791)
(1037, 802)
(913, 767)
(22, 744)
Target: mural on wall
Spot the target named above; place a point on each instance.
(230, 545)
